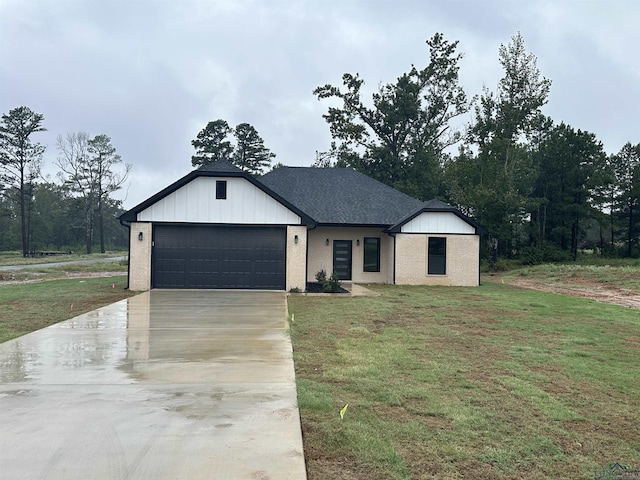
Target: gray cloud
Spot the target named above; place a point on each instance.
(151, 74)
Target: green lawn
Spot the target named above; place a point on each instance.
(484, 383)
(31, 306)
(493, 382)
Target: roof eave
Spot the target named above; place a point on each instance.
(353, 225)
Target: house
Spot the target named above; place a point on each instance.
(220, 227)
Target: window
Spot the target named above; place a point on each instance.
(371, 254)
(437, 256)
(221, 189)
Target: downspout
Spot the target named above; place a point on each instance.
(394, 258)
(479, 255)
(306, 260)
(128, 225)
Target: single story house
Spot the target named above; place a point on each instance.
(220, 227)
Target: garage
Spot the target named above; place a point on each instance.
(219, 257)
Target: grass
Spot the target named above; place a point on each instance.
(28, 307)
(16, 258)
(625, 276)
(50, 273)
(489, 382)
(493, 382)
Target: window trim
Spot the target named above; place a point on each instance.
(431, 266)
(364, 254)
(221, 189)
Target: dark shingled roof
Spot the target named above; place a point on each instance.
(220, 167)
(330, 196)
(340, 196)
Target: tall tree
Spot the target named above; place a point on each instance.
(107, 179)
(87, 170)
(78, 176)
(20, 160)
(569, 162)
(250, 153)
(626, 167)
(212, 144)
(505, 124)
(399, 140)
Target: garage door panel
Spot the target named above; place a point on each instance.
(219, 257)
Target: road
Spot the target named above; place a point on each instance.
(61, 264)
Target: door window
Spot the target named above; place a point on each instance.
(342, 259)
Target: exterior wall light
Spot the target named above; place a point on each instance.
(295, 239)
(140, 236)
(326, 242)
(358, 242)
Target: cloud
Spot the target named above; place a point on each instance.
(151, 74)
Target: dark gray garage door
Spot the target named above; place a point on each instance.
(218, 257)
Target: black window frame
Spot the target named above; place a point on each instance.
(221, 189)
(437, 256)
(376, 267)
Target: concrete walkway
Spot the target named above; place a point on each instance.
(164, 385)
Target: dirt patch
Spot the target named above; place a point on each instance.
(581, 288)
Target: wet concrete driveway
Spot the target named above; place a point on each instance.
(164, 385)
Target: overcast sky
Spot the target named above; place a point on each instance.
(152, 73)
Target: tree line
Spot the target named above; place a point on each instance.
(73, 211)
(543, 190)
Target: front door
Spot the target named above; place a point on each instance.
(342, 259)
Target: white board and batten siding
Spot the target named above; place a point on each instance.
(438, 222)
(196, 202)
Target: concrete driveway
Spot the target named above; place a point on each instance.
(164, 385)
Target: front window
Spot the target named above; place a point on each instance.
(371, 254)
(437, 256)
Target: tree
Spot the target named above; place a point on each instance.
(107, 180)
(212, 145)
(78, 176)
(250, 153)
(400, 139)
(50, 218)
(87, 170)
(626, 168)
(20, 161)
(568, 163)
(506, 124)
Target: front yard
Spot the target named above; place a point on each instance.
(495, 382)
(485, 383)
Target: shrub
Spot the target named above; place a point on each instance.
(332, 285)
(321, 276)
(543, 254)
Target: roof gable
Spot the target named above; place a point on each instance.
(436, 206)
(217, 169)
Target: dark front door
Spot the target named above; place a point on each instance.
(342, 259)
(203, 256)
